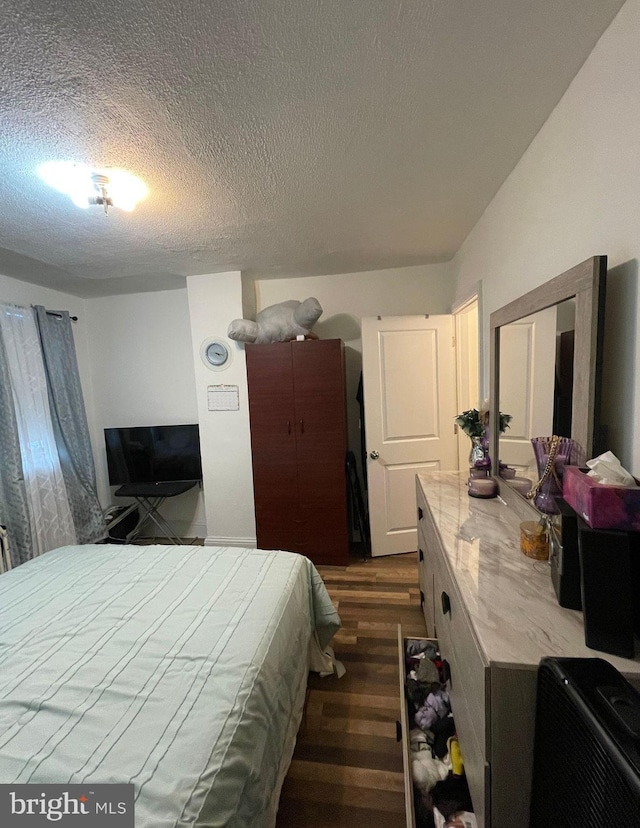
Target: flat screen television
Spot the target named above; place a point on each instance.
(153, 454)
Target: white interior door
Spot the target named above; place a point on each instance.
(409, 370)
(527, 374)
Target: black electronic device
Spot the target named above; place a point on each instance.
(586, 769)
(607, 588)
(564, 558)
(153, 454)
(121, 522)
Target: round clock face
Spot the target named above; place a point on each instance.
(215, 354)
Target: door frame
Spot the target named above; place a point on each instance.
(468, 390)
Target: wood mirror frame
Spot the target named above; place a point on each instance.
(586, 283)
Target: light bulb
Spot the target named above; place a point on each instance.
(67, 177)
(125, 189)
(76, 180)
(79, 198)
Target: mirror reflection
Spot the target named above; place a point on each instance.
(536, 386)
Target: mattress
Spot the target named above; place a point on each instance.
(180, 669)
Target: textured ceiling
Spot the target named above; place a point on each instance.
(276, 136)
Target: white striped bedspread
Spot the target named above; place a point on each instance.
(181, 669)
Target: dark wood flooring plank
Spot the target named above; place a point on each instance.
(351, 742)
(347, 766)
(380, 760)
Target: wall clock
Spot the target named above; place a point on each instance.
(216, 353)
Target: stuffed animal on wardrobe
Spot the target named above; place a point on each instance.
(278, 323)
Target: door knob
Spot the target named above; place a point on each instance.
(374, 455)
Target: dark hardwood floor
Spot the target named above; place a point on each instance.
(347, 766)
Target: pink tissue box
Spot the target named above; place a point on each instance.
(601, 506)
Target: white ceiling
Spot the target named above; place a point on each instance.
(279, 137)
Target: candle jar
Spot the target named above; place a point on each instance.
(534, 540)
(482, 487)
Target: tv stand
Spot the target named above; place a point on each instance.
(148, 498)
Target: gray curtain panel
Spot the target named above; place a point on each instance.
(70, 423)
(14, 509)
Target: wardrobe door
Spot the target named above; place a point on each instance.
(273, 445)
(321, 441)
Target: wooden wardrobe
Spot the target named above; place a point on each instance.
(298, 417)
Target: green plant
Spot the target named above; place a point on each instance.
(505, 419)
(473, 423)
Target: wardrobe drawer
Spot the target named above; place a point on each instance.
(458, 646)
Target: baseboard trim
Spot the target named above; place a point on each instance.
(243, 543)
(181, 529)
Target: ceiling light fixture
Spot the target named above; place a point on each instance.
(85, 185)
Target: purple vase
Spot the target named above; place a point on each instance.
(544, 500)
(479, 456)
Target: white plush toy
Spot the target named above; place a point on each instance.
(278, 323)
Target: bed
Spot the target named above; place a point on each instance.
(181, 670)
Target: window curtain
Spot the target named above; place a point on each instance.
(14, 506)
(50, 519)
(69, 421)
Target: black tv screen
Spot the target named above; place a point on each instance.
(153, 454)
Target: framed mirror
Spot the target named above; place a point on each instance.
(546, 360)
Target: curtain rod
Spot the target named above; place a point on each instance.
(59, 315)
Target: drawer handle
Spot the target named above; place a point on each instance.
(420, 513)
(446, 671)
(398, 731)
(420, 555)
(446, 603)
(421, 598)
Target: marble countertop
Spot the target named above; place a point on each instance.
(509, 598)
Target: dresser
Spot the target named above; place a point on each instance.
(495, 615)
(297, 409)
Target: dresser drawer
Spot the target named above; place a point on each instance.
(425, 573)
(402, 728)
(458, 646)
(427, 546)
(476, 765)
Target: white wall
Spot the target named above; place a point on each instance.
(214, 300)
(395, 292)
(576, 193)
(348, 297)
(143, 374)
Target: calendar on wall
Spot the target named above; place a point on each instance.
(223, 398)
